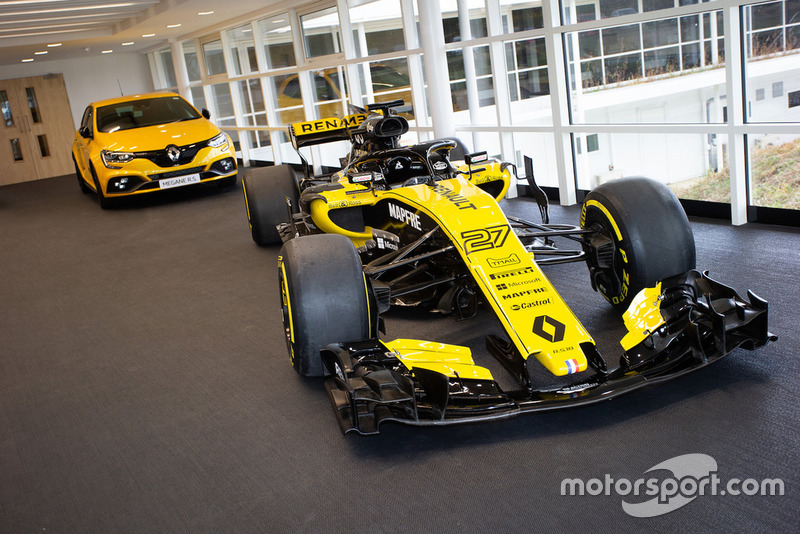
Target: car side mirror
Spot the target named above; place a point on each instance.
(84, 132)
(477, 157)
(205, 113)
(364, 177)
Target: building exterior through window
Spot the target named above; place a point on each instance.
(704, 96)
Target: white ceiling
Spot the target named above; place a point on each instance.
(87, 27)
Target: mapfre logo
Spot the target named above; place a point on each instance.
(522, 293)
(403, 215)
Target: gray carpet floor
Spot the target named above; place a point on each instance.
(145, 387)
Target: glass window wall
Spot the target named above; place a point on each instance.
(190, 57)
(639, 78)
(385, 80)
(377, 27)
(321, 33)
(214, 58)
(774, 170)
(243, 50)
(164, 75)
(286, 99)
(463, 20)
(276, 38)
(223, 104)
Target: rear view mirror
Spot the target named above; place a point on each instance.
(205, 113)
(365, 177)
(477, 157)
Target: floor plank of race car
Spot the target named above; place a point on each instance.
(144, 386)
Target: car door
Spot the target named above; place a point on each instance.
(82, 156)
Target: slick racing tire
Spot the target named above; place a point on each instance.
(324, 297)
(265, 192)
(643, 236)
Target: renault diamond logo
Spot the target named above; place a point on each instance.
(557, 328)
(174, 153)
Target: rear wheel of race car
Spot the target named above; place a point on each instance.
(643, 237)
(265, 192)
(324, 297)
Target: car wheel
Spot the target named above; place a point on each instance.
(104, 201)
(81, 182)
(324, 297)
(643, 236)
(265, 192)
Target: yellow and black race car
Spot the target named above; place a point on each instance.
(421, 225)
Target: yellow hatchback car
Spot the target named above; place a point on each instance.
(150, 142)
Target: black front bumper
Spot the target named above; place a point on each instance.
(703, 322)
(221, 168)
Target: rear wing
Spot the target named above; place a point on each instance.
(324, 130)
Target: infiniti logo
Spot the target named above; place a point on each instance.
(173, 153)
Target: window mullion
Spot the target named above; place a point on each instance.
(734, 75)
(556, 72)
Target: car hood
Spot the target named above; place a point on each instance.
(158, 137)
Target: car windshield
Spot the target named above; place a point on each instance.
(145, 112)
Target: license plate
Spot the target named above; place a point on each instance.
(178, 181)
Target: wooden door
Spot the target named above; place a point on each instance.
(37, 129)
(16, 159)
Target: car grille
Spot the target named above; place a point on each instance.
(182, 172)
(215, 170)
(160, 157)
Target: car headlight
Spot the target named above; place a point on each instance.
(111, 158)
(220, 140)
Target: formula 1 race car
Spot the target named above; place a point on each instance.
(421, 226)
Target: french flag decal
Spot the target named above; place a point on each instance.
(572, 366)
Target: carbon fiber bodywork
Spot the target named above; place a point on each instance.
(701, 321)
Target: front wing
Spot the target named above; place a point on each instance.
(681, 325)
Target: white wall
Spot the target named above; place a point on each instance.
(92, 78)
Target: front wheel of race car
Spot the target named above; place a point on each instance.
(324, 297)
(643, 236)
(265, 192)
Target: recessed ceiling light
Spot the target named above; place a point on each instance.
(106, 51)
(27, 60)
(247, 30)
(277, 21)
(51, 45)
(173, 25)
(206, 13)
(148, 35)
(43, 52)
(93, 7)
(128, 43)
